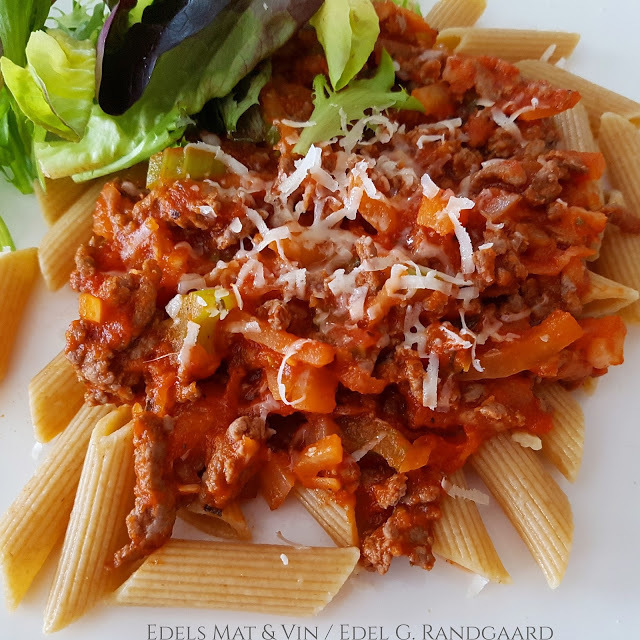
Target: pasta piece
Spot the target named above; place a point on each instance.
(55, 396)
(605, 297)
(59, 245)
(58, 196)
(446, 14)
(620, 144)
(18, 271)
(239, 576)
(509, 44)
(563, 446)
(596, 99)
(229, 524)
(575, 130)
(534, 503)
(97, 526)
(461, 537)
(38, 517)
(338, 520)
(619, 257)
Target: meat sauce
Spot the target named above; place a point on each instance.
(368, 357)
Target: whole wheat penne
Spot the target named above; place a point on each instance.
(59, 245)
(218, 575)
(532, 500)
(620, 144)
(596, 99)
(620, 252)
(96, 528)
(575, 130)
(605, 297)
(461, 537)
(18, 271)
(37, 518)
(509, 44)
(57, 196)
(455, 13)
(55, 396)
(337, 519)
(229, 524)
(564, 444)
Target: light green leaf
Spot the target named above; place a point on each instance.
(352, 103)
(347, 30)
(184, 79)
(244, 96)
(412, 5)
(56, 89)
(31, 100)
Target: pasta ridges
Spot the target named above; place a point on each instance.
(239, 576)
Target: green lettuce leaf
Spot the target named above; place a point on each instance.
(360, 96)
(203, 67)
(412, 5)
(57, 87)
(16, 160)
(245, 95)
(18, 18)
(347, 30)
(84, 21)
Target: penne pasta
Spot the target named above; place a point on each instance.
(58, 196)
(619, 255)
(532, 500)
(461, 537)
(575, 130)
(59, 245)
(217, 575)
(97, 526)
(620, 144)
(564, 444)
(446, 14)
(338, 520)
(605, 297)
(18, 271)
(509, 44)
(597, 100)
(38, 517)
(229, 524)
(55, 396)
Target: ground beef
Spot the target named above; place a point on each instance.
(151, 522)
(235, 458)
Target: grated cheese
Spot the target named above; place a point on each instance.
(356, 303)
(430, 383)
(190, 282)
(455, 491)
(190, 339)
(289, 352)
(528, 440)
(548, 52)
(453, 209)
(303, 167)
(225, 158)
(429, 188)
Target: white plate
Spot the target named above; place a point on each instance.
(599, 596)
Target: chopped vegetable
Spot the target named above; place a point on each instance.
(183, 162)
(56, 88)
(347, 30)
(360, 96)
